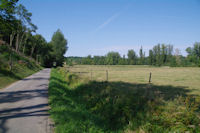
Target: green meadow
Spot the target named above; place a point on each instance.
(82, 100)
(185, 77)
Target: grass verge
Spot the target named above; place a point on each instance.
(96, 107)
(22, 67)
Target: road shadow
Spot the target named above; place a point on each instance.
(37, 78)
(24, 112)
(14, 97)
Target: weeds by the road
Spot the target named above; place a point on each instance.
(79, 106)
(21, 67)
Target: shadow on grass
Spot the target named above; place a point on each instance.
(104, 106)
(10, 74)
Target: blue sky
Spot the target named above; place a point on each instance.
(96, 27)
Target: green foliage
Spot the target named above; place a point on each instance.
(132, 57)
(112, 58)
(120, 107)
(59, 44)
(23, 13)
(151, 57)
(88, 60)
(194, 53)
(142, 57)
(68, 115)
(17, 28)
(21, 66)
(99, 60)
(160, 55)
(7, 17)
(7, 8)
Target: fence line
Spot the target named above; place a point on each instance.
(92, 75)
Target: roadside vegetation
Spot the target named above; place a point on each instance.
(79, 105)
(21, 66)
(103, 98)
(20, 34)
(22, 50)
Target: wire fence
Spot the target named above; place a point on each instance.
(105, 73)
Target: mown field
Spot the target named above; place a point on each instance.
(82, 101)
(187, 77)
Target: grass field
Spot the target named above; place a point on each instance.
(127, 102)
(187, 77)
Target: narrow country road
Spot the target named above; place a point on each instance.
(24, 105)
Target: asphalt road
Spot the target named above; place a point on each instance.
(24, 105)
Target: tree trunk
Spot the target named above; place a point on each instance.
(10, 62)
(38, 59)
(32, 50)
(11, 38)
(17, 42)
(21, 39)
(24, 48)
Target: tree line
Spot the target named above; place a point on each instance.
(159, 55)
(17, 32)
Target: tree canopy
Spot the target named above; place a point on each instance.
(19, 33)
(59, 44)
(159, 55)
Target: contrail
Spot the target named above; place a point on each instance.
(107, 21)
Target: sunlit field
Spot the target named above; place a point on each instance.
(126, 102)
(187, 77)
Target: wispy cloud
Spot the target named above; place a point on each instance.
(107, 21)
(112, 18)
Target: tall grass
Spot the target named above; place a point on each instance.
(79, 106)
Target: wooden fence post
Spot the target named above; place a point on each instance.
(91, 75)
(150, 78)
(106, 75)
